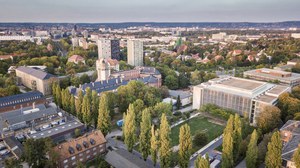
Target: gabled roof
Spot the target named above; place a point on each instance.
(20, 98)
(36, 73)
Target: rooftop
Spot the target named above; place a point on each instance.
(80, 144)
(273, 74)
(14, 145)
(36, 73)
(20, 98)
(240, 83)
(56, 130)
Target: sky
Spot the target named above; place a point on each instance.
(114, 11)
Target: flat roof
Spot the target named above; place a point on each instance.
(242, 83)
(278, 89)
(266, 98)
(294, 76)
(56, 130)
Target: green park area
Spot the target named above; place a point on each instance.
(197, 124)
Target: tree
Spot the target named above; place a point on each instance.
(95, 107)
(200, 139)
(72, 105)
(77, 132)
(130, 128)
(162, 108)
(252, 151)
(78, 104)
(164, 141)
(103, 123)
(138, 108)
(12, 163)
(58, 95)
(171, 82)
(178, 102)
(35, 151)
(145, 134)
(227, 152)
(273, 156)
(154, 145)
(185, 146)
(201, 162)
(237, 136)
(86, 110)
(268, 118)
(296, 157)
(84, 78)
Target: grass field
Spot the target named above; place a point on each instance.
(198, 124)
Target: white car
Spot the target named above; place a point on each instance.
(4, 152)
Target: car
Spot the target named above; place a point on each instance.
(2, 146)
(4, 152)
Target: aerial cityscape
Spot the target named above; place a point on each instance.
(150, 84)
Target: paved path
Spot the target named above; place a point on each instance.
(211, 146)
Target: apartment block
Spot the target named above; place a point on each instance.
(135, 52)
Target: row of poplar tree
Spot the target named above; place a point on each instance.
(88, 108)
(232, 138)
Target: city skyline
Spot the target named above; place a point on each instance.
(117, 11)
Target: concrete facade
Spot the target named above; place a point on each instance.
(135, 52)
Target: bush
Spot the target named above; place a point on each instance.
(217, 111)
(200, 139)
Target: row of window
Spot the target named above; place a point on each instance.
(20, 101)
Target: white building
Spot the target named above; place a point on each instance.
(104, 48)
(295, 35)
(135, 52)
(244, 96)
(16, 38)
(219, 36)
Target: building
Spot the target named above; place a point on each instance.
(83, 43)
(23, 100)
(219, 36)
(135, 52)
(185, 96)
(76, 59)
(109, 48)
(81, 149)
(293, 62)
(16, 38)
(246, 97)
(272, 75)
(35, 79)
(290, 136)
(75, 41)
(105, 66)
(14, 146)
(295, 35)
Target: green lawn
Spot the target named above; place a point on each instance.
(198, 124)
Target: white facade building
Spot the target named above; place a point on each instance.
(135, 52)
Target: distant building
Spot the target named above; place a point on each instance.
(76, 59)
(85, 33)
(185, 96)
(75, 41)
(81, 149)
(246, 97)
(23, 100)
(35, 79)
(109, 48)
(293, 62)
(219, 36)
(290, 136)
(135, 52)
(272, 75)
(103, 69)
(83, 43)
(295, 35)
(16, 38)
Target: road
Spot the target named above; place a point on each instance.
(211, 146)
(115, 144)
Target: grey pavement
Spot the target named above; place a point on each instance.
(211, 146)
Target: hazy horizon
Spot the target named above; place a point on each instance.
(120, 11)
